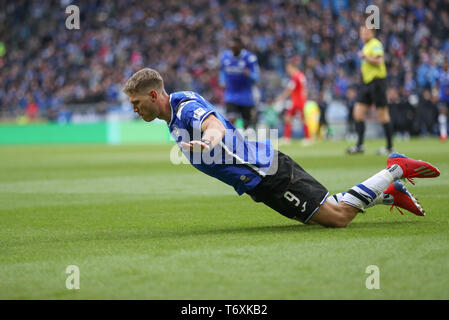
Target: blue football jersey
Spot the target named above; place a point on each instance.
(239, 85)
(235, 160)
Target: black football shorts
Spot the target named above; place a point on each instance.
(374, 92)
(291, 191)
(248, 114)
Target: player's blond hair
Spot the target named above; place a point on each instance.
(144, 80)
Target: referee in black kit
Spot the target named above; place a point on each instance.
(372, 91)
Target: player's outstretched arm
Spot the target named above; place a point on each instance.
(213, 132)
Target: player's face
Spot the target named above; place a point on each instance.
(365, 34)
(235, 47)
(145, 105)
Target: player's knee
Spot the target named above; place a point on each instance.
(359, 112)
(383, 115)
(358, 116)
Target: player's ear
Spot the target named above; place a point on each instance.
(153, 94)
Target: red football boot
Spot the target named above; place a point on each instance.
(404, 199)
(412, 168)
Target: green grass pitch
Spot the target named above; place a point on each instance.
(139, 227)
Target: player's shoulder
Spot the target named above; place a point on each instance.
(188, 104)
(192, 112)
(226, 54)
(374, 42)
(176, 98)
(299, 75)
(249, 56)
(374, 47)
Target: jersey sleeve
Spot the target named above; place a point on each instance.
(253, 66)
(192, 114)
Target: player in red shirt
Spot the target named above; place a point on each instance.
(297, 90)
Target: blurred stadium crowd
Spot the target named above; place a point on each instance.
(44, 66)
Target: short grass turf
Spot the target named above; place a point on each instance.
(139, 227)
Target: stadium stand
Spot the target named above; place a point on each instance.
(44, 67)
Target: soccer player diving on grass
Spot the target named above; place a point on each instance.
(213, 145)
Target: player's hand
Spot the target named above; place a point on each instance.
(246, 71)
(195, 146)
(361, 54)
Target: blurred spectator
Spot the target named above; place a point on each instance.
(323, 130)
(443, 99)
(341, 84)
(64, 115)
(32, 110)
(401, 112)
(426, 114)
(351, 96)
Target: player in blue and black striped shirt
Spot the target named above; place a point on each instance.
(212, 144)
